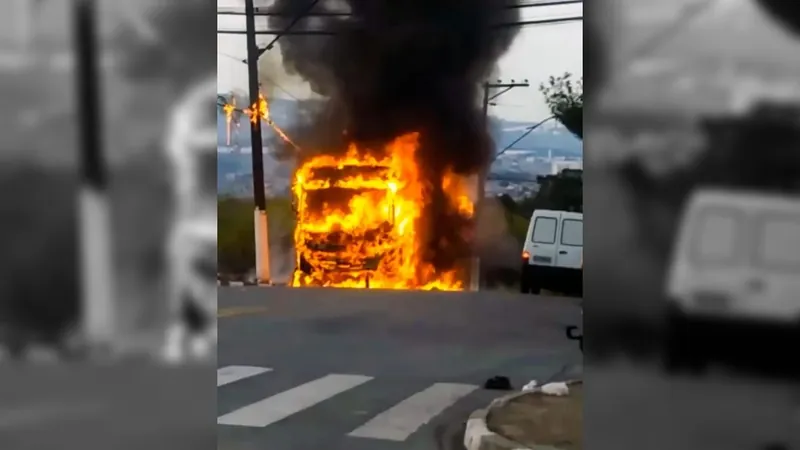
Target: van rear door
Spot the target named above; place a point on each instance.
(570, 241)
(717, 269)
(543, 237)
(775, 280)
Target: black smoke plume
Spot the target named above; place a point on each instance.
(396, 66)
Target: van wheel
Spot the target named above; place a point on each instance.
(682, 346)
(524, 284)
(536, 290)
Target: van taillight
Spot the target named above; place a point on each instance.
(526, 255)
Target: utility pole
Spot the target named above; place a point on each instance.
(475, 272)
(97, 288)
(260, 211)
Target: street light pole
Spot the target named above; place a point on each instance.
(475, 270)
(97, 296)
(257, 151)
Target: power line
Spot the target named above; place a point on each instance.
(266, 77)
(554, 21)
(687, 14)
(517, 140)
(266, 12)
(294, 21)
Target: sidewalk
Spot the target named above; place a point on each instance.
(529, 420)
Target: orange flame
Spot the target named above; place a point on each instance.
(359, 220)
(260, 111)
(229, 109)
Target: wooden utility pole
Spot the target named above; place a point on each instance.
(257, 151)
(97, 275)
(475, 272)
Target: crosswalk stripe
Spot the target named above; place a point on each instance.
(230, 374)
(400, 421)
(280, 406)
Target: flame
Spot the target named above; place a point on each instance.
(260, 111)
(359, 220)
(229, 108)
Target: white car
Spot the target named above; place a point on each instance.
(552, 256)
(735, 266)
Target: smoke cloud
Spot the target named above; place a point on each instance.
(393, 67)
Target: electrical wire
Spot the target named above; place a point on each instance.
(266, 77)
(686, 15)
(552, 21)
(234, 12)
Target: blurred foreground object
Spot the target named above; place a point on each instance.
(96, 257)
(787, 13)
(733, 274)
(192, 147)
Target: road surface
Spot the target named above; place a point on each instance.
(636, 406)
(373, 370)
(126, 406)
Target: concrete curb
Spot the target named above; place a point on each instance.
(478, 436)
(251, 283)
(242, 284)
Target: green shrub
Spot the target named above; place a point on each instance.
(235, 231)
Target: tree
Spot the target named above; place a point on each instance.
(563, 192)
(236, 254)
(755, 152)
(235, 243)
(564, 97)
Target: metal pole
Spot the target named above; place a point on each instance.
(257, 151)
(92, 163)
(255, 126)
(475, 282)
(475, 270)
(96, 262)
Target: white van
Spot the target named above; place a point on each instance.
(552, 256)
(736, 261)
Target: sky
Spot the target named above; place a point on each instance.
(538, 52)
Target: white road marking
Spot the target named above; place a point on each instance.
(230, 374)
(287, 403)
(403, 419)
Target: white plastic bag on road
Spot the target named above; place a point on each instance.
(531, 386)
(559, 389)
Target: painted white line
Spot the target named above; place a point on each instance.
(230, 374)
(287, 403)
(403, 419)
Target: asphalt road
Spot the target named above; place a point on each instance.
(127, 406)
(636, 406)
(399, 349)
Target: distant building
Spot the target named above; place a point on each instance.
(557, 166)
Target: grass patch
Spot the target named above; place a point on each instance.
(235, 235)
(537, 419)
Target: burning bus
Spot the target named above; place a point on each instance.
(351, 251)
(359, 220)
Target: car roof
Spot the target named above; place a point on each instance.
(545, 212)
(744, 200)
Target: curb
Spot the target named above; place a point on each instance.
(246, 283)
(249, 283)
(478, 436)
